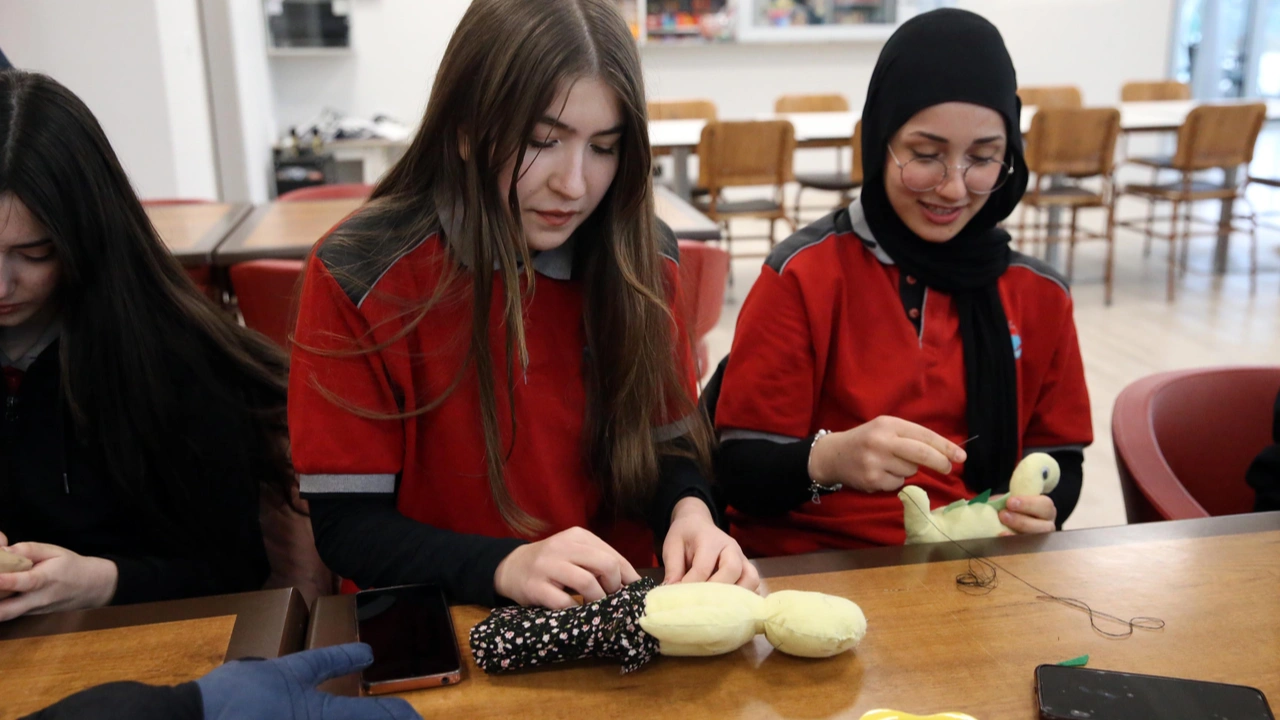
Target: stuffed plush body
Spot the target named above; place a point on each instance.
(896, 715)
(1037, 474)
(10, 563)
(641, 621)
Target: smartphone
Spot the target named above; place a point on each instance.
(411, 633)
(1071, 693)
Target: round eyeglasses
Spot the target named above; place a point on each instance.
(981, 177)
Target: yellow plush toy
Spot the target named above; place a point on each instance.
(1037, 474)
(10, 563)
(698, 619)
(896, 715)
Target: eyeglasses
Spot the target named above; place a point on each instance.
(981, 177)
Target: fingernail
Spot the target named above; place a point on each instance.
(960, 455)
(1015, 504)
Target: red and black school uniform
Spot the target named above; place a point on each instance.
(832, 336)
(407, 500)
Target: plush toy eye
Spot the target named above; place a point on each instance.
(1044, 473)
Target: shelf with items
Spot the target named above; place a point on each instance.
(307, 28)
(819, 20)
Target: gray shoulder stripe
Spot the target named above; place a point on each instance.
(364, 484)
(1041, 268)
(671, 431)
(805, 237)
(727, 435)
(668, 243)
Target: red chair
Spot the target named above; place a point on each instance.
(201, 275)
(337, 191)
(704, 270)
(265, 289)
(1184, 440)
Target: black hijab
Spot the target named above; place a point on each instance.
(943, 56)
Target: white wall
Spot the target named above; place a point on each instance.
(139, 67)
(1096, 44)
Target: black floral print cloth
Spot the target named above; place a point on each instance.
(517, 638)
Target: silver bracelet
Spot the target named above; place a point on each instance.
(814, 488)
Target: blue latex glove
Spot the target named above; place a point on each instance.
(285, 688)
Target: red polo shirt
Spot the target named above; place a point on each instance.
(434, 462)
(829, 339)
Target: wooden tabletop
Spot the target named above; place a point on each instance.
(930, 646)
(288, 230)
(44, 658)
(192, 232)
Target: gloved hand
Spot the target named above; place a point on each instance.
(285, 688)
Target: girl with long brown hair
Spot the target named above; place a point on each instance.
(140, 424)
(489, 388)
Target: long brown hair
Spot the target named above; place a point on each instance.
(502, 69)
(142, 351)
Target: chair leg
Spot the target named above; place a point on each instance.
(1109, 273)
(1151, 217)
(1173, 254)
(799, 189)
(773, 222)
(1071, 245)
(1185, 243)
(1253, 253)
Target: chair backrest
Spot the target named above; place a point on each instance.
(265, 290)
(1073, 141)
(336, 191)
(1149, 91)
(855, 167)
(751, 152)
(704, 270)
(1219, 136)
(1185, 439)
(1051, 96)
(811, 103)
(682, 110)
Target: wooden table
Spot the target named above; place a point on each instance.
(192, 232)
(44, 658)
(931, 647)
(289, 230)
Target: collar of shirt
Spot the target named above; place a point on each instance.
(556, 263)
(50, 333)
(858, 219)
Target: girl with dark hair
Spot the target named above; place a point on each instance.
(881, 339)
(489, 386)
(140, 423)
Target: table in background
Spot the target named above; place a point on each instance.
(192, 232)
(44, 658)
(931, 647)
(289, 230)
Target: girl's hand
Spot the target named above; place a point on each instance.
(696, 550)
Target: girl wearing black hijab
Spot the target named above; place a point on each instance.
(900, 339)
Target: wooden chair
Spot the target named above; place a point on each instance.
(1212, 137)
(841, 182)
(810, 103)
(680, 110)
(741, 154)
(1154, 91)
(1051, 96)
(1078, 144)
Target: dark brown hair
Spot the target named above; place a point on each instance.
(501, 71)
(143, 353)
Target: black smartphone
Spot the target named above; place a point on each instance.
(411, 633)
(1070, 693)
